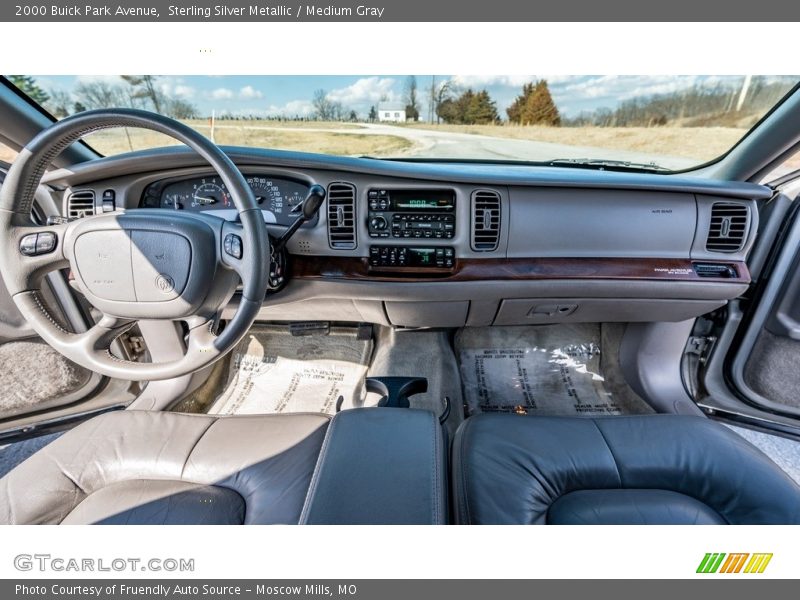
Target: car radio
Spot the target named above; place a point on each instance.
(412, 214)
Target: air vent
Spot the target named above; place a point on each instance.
(728, 227)
(80, 204)
(485, 220)
(342, 216)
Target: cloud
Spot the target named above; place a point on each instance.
(175, 88)
(482, 81)
(112, 79)
(184, 91)
(615, 88)
(365, 91)
(222, 94)
(290, 110)
(248, 92)
(293, 108)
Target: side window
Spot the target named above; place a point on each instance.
(7, 154)
(790, 165)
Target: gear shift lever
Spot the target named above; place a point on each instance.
(309, 208)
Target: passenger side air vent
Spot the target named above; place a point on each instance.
(80, 204)
(342, 216)
(728, 227)
(485, 220)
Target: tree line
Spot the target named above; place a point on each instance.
(133, 91)
(698, 106)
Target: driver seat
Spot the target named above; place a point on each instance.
(149, 468)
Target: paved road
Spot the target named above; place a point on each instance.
(446, 144)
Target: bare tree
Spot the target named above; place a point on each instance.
(143, 86)
(177, 108)
(60, 103)
(411, 100)
(326, 109)
(100, 94)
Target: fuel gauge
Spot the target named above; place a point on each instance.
(175, 200)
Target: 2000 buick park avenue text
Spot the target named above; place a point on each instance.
(206, 12)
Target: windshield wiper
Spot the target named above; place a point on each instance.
(605, 163)
(599, 164)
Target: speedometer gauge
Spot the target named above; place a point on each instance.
(209, 193)
(268, 195)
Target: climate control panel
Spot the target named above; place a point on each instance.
(411, 257)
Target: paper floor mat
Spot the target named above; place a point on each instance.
(273, 372)
(552, 370)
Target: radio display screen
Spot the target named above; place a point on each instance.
(422, 200)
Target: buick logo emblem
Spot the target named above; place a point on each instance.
(165, 283)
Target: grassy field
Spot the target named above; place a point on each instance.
(273, 123)
(270, 134)
(702, 143)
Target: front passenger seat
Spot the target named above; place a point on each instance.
(152, 468)
(654, 469)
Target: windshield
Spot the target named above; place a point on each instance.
(658, 123)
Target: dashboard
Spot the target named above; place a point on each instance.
(278, 198)
(452, 244)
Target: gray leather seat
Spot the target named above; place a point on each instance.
(655, 469)
(142, 467)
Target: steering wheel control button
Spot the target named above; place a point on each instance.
(232, 244)
(160, 265)
(27, 245)
(45, 242)
(103, 260)
(35, 244)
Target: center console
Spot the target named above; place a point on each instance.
(411, 215)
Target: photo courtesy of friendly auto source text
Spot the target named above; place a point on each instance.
(385, 273)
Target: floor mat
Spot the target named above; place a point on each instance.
(55, 377)
(771, 370)
(784, 452)
(547, 370)
(272, 371)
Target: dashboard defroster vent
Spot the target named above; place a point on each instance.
(728, 227)
(80, 204)
(485, 220)
(342, 216)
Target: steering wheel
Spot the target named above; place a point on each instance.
(145, 264)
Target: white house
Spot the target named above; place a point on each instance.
(394, 112)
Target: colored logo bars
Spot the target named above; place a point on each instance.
(743, 562)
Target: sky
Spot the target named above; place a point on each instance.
(290, 96)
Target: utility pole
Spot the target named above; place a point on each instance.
(432, 102)
(743, 93)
